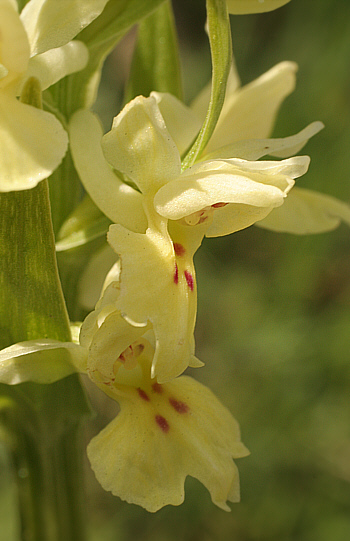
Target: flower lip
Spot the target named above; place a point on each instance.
(181, 419)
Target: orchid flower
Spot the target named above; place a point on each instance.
(37, 43)
(107, 335)
(157, 282)
(162, 433)
(243, 130)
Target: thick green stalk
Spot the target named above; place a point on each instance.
(219, 30)
(41, 422)
(48, 472)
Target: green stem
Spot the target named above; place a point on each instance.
(46, 455)
(41, 422)
(50, 499)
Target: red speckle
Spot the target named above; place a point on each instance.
(157, 388)
(179, 249)
(176, 275)
(219, 205)
(143, 395)
(128, 351)
(189, 279)
(162, 423)
(180, 407)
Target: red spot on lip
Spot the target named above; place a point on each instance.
(176, 275)
(179, 249)
(180, 407)
(157, 388)
(143, 394)
(189, 279)
(162, 423)
(121, 357)
(219, 205)
(202, 219)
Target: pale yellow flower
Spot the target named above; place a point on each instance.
(243, 130)
(162, 434)
(36, 44)
(106, 334)
(240, 7)
(157, 283)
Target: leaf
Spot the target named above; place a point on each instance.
(32, 304)
(156, 62)
(221, 53)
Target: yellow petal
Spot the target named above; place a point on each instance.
(93, 276)
(240, 7)
(121, 203)
(14, 46)
(235, 217)
(105, 333)
(51, 23)
(305, 212)
(51, 66)
(140, 146)
(159, 286)
(162, 434)
(32, 142)
(106, 305)
(250, 112)
(182, 123)
(261, 184)
(253, 149)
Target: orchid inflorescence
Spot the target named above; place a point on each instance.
(139, 339)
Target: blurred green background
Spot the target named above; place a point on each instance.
(274, 310)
